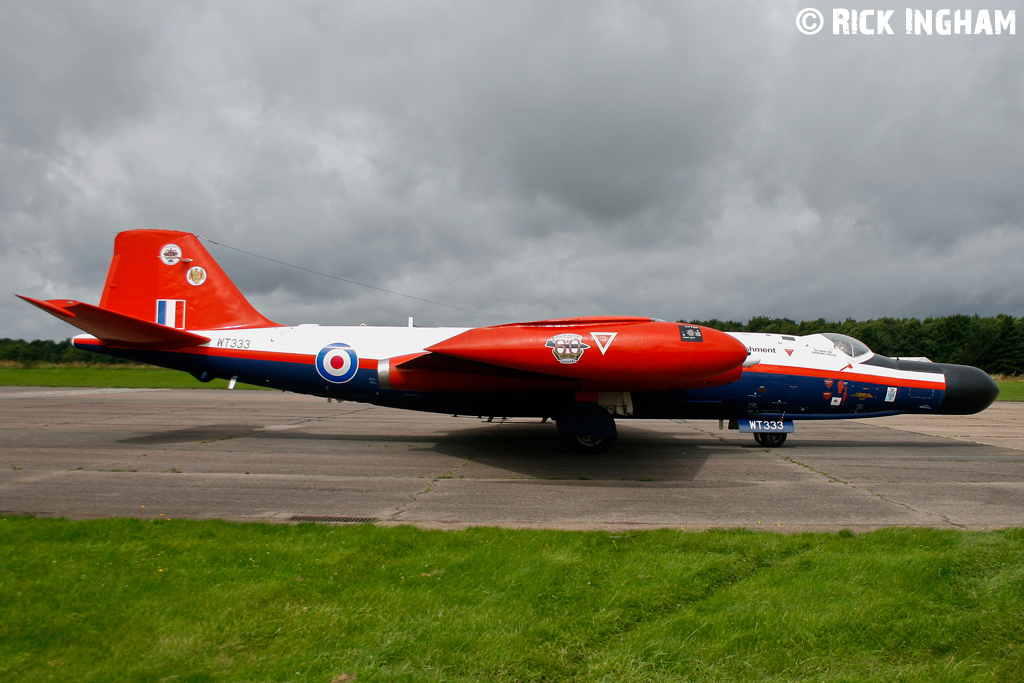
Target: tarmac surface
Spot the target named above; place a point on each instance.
(266, 456)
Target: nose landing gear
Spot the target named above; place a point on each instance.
(770, 439)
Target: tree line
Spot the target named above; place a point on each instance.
(994, 344)
(45, 351)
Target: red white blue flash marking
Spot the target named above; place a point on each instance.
(171, 312)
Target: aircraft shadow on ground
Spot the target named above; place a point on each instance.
(514, 449)
(540, 439)
(500, 450)
(198, 434)
(207, 433)
(535, 451)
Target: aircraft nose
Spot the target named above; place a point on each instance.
(968, 390)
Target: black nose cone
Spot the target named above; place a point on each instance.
(968, 390)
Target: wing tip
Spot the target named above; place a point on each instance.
(50, 306)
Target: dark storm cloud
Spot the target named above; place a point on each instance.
(521, 159)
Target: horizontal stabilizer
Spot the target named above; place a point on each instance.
(117, 329)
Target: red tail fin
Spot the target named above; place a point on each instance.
(168, 277)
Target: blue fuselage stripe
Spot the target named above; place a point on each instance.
(757, 394)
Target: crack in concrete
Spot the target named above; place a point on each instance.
(946, 519)
(414, 497)
(880, 496)
(828, 476)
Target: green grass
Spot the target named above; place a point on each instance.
(124, 376)
(132, 600)
(1010, 390)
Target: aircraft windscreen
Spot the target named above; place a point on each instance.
(848, 345)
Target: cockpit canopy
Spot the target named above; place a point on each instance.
(848, 345)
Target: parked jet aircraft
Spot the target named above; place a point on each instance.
(166, 302)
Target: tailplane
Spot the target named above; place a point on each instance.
(117, 329)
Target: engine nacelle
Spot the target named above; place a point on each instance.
(588, 354)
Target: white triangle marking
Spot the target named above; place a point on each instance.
(603, 340)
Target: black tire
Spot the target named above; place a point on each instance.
(771, 439)
(588, 444)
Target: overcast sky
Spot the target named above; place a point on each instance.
(521, 159)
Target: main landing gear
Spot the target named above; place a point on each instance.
(770, 439)
(588, 444)
(586, 428)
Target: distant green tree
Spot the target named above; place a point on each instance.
(1007, 354)
(28, 353)
(946, 338)
(776, 325)
(723, 325)
(907, 338)
(817, 327)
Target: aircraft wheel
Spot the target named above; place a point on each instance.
(588, 444)
(771, 439)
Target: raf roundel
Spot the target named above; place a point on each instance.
(337, 363)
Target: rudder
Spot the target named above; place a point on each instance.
(168, 277)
